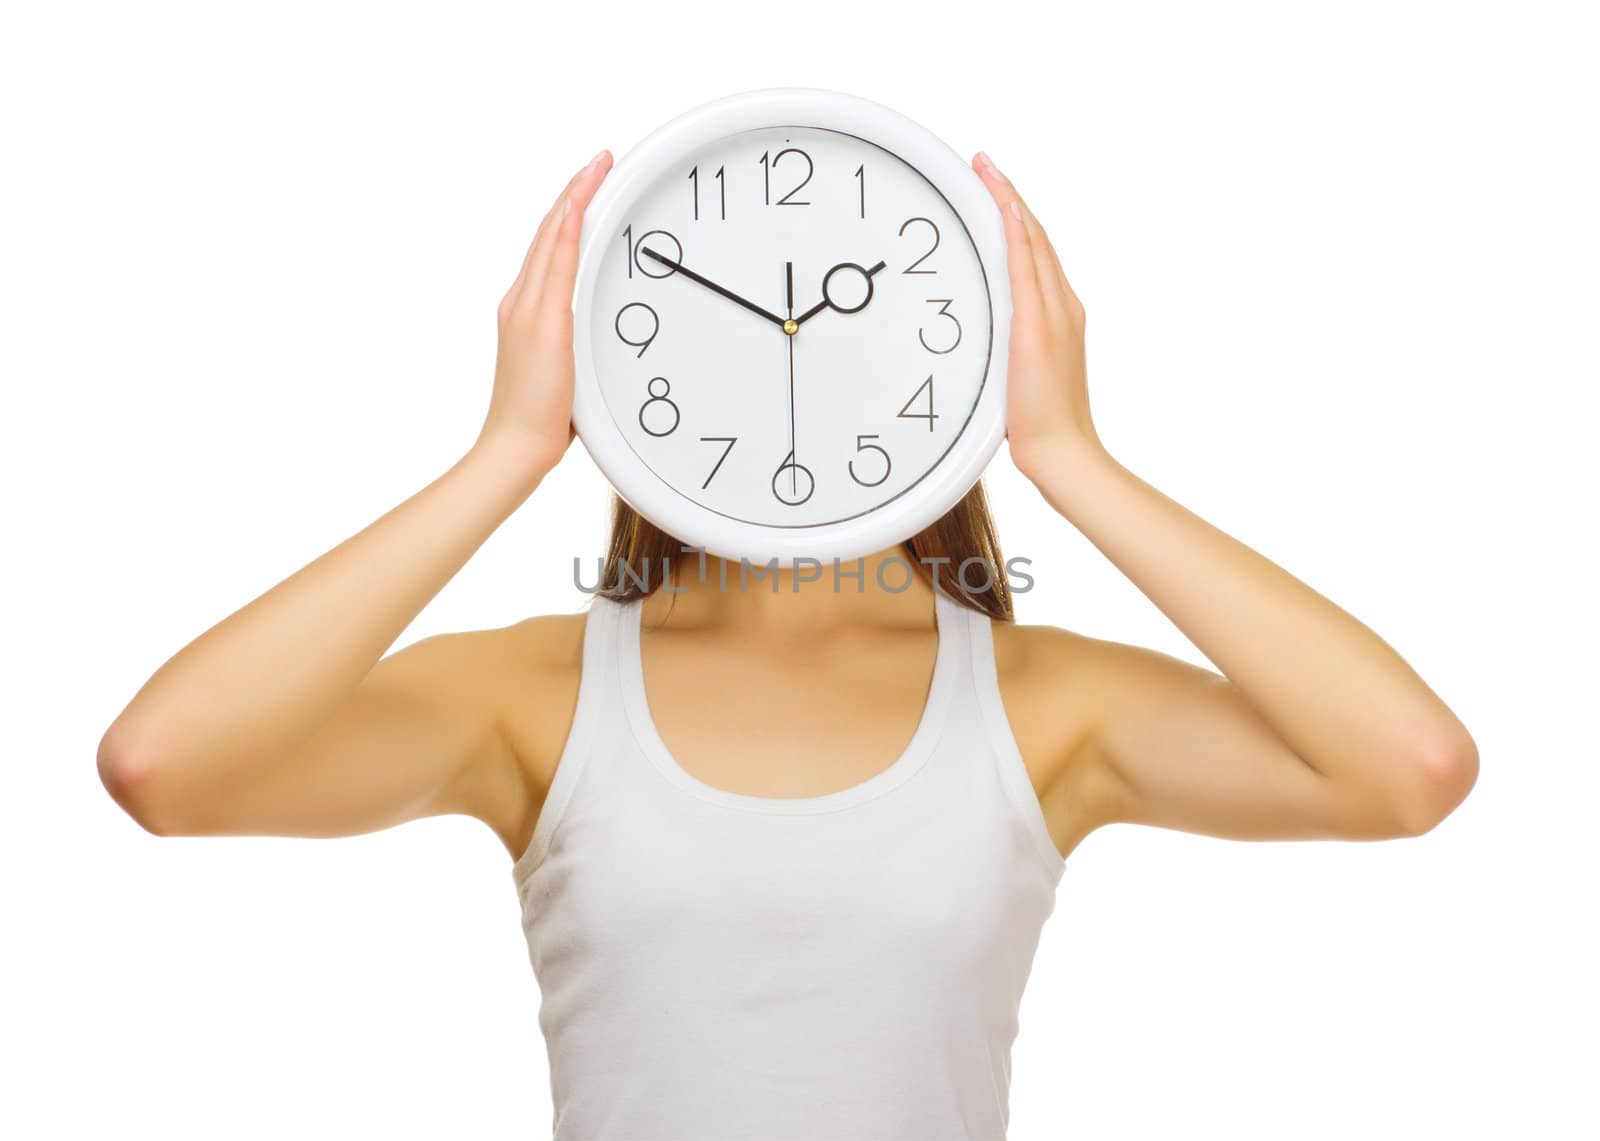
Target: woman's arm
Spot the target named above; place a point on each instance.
(1317, 728)
(282, 719)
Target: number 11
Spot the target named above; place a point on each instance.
(722, 191)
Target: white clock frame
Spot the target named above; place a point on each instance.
(924, 501)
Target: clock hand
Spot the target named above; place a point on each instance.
(794, 474)
(711, 285)
(826, 303)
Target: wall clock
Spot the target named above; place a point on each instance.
(791, 317)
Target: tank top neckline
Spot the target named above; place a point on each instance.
(924, 738)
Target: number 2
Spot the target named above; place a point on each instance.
(906, 225)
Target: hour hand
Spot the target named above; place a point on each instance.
(851, 273)
(679, 267)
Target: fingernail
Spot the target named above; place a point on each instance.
(985, 161)
(566, 206)
(594, 163)
(1016, 209)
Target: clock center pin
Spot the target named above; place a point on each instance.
(791, 326)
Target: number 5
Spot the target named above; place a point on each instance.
(860, 447)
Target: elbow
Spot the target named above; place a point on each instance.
(130, 773)
(1443, 770)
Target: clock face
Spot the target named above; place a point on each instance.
(790, 327)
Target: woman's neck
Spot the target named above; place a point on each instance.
(788, 600)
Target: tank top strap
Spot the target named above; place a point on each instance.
(599, 704)
(981, 696)
(963, 631)
(955, 644)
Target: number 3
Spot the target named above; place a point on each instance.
(944, 304)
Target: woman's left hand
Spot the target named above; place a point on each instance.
(1047, 414)
(1318, 728)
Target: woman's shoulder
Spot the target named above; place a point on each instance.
(546, 645)
(527, 672)
(1031, 657)
(1061, 688)
(1037, 669)
(1057, 686)
(1056, 673)
(547, 641)
(542, 657)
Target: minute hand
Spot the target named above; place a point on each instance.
(711, 285)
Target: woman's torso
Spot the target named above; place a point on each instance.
(801, 963)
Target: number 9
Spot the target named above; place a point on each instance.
(655, 326)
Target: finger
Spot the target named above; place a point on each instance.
(1021, 266)
(554, 304)
(1049, 263)
(550, 220)
(553, 269)
(1060, 292)
(1052, 282)
(538, 235)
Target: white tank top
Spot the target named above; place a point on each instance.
(714, 965)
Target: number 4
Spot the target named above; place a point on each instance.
(930, 415)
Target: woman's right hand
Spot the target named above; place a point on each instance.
(530, 411)
(286, 718)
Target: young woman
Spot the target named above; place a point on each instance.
(784, 856)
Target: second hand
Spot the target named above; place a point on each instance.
(794, 460)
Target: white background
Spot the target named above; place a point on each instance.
(1340, 267)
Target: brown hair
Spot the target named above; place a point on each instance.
(638, 554)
